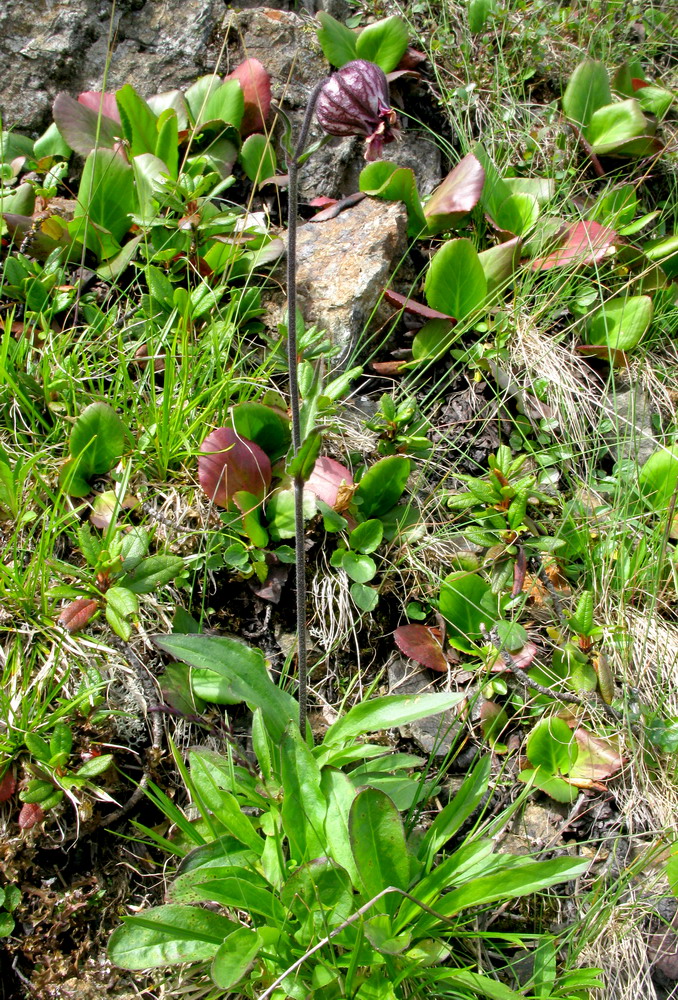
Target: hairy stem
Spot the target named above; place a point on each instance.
(292, 360)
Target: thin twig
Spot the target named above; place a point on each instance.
(571, 699)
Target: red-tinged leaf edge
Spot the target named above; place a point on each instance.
(458, 194)
(414, 307)
(389, 367)
(521, 659)
(422, 644)
(256, 87)
(31, 813)
(411, 58)
(229, 464)
(7, 785)
(582, 243)
(78, 613)
(98, 102)
(327, 479)
(637, 84)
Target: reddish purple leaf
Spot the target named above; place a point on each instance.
(229, 464)
(333, 210)
(83, 128)
(422, 644)
(581, 243)
(638, 84)
(457, 195)
(98, 102)
(31, 813)
(76, 614)
(412, 306)
(388, 367)
(256, 88)
(328, 480)
(7, 785)
(411, 58)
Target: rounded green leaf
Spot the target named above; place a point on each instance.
(551, 745)
(337, 41)
(367, 536)
(517, 213)
(588, 90)
(382, 486)
(620, 323)
(96, 444)
(658, 478)
(168, 935)
(455, 282)
(383, 42)
(464, 602)
(434, 339)
(365, 598)
(616, 124)
(258, 160)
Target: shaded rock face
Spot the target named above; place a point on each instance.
(156, 45)
(52, 45)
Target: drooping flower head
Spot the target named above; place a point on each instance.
(355, 101)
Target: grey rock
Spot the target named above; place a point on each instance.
(630, 411)
(343, 265)
(435, 734)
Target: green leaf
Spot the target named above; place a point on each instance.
(390, 182)
(243, 666)
(587, 91)
(672, 873)
(258, 160)
(96, 445)
(211, 793)
(478, 13)
(339, 794)
(61, 741)
(106, 199)
(552, 746)
(616, 124)
(51, 143)
(512, 635)
(367, 536)
(235, 957)
(582, 620)
(280, 513)
(96, 766)
(379, 846)
(303, 462)
(382, 486)
(38, 747)
(336, 40)
(225, 103)
(6, 924)
(455, 281)
(384, 713)
(479, 985)
(232, 886)
(304, 805)
(365, 598)
(123, 601)
(167, 141)
(383, 42)
(434, 339)
(466, 603)
(457, 810)
(530, 877)
(658, 478)
(621, 322)
(551, 784)
(139, 123)
(319, 896)
(499, 263)
(152, 573)
(360, 568)
(517, 213)
(168, 935)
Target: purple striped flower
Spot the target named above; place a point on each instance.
(355, 101)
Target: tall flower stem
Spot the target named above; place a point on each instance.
(292, 361)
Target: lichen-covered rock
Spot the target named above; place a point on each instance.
(344, 264)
